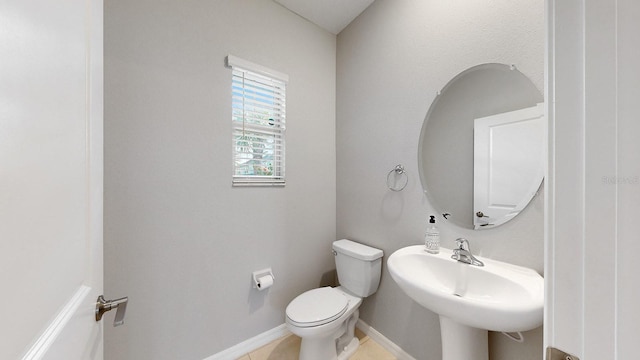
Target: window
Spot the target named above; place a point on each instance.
(258, 122)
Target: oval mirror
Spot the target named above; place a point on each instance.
(481, 149)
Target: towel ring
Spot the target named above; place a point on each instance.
(397, 178)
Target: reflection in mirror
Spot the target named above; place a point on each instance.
(506, 107)
(508, 160)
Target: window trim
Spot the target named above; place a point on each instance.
(236, 62)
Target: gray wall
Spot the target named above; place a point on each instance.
(179, 240)
(391, 62)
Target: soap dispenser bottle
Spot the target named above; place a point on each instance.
(432, 237)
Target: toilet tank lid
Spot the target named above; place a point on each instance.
(357, 250)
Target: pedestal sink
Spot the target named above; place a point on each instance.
(469, 299)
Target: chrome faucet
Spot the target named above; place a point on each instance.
(462, 253)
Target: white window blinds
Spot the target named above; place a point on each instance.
(258, 122)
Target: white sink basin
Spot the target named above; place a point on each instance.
(497, 296)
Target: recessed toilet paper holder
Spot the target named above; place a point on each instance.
(261, 274)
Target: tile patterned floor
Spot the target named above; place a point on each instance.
(288, 348)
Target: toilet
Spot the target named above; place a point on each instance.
(325, 318)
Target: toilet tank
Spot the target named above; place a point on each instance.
(359, 267)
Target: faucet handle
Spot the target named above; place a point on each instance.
(462, 244)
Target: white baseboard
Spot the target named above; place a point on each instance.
(268, 336)
(389, 345)
(252, 344)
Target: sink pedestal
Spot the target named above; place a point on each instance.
(461, 342)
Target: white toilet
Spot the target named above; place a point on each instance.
(325, 318)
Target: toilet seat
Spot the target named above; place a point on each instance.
(317, 307)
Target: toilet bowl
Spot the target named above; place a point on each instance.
(325, 318)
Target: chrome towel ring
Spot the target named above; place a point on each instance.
(397, 178)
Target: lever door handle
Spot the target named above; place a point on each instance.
(102, 306)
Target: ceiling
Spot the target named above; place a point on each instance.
(331, 15)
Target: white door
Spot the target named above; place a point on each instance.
(50, 178)
(508, 164)
(593, 194)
